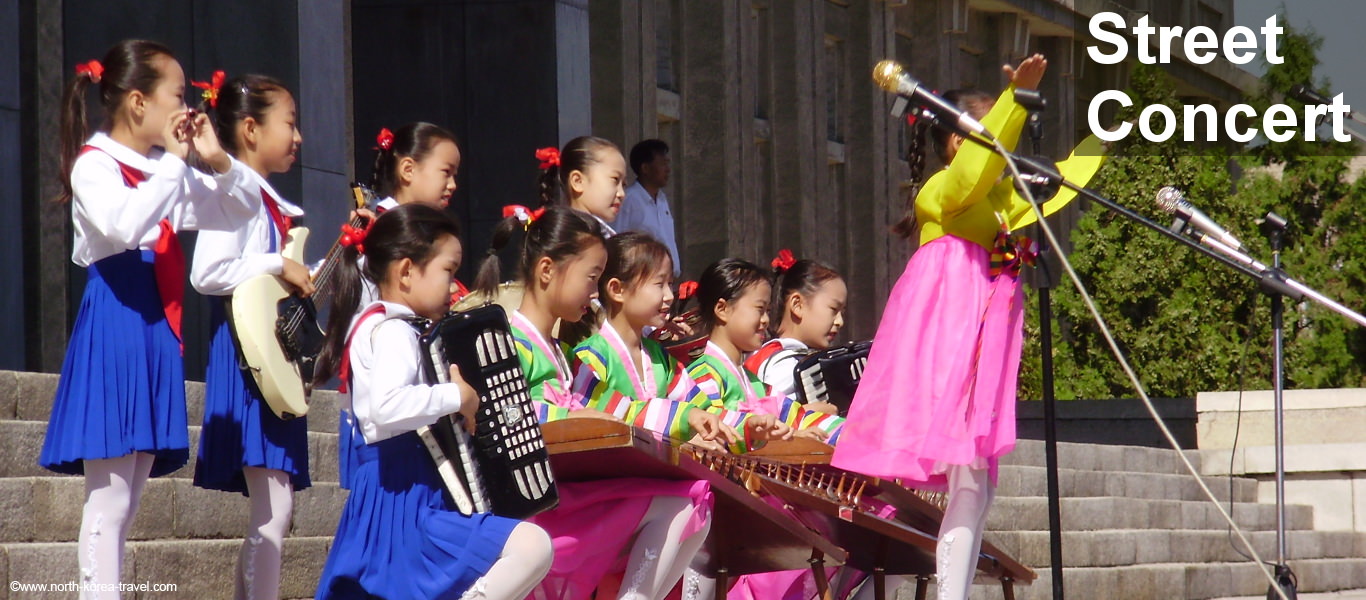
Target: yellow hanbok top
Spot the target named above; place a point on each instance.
(969, 199)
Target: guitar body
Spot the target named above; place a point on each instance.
(259, 307)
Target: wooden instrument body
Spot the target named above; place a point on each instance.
(748, 535)
(256, 311)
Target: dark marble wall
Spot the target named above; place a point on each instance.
(12, 321)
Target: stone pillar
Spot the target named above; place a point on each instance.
(711, 144)
(797, 121)
(622, 48)
(572, 69)
(47, 224)
(870, 152)
(325, 119)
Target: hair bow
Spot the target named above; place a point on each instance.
(523, 214)
(93, 69)
(211, 87)
(385, 139)
(686, 290)
(783, 261)
(355, 236)
(549, 157)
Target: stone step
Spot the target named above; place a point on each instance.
(198, 568)
(22, 441)
(48, 509)
(1125, 547)
(1095, 514)
(1019, 480)
(1109, 459)
(1171, 581)
(28, 397)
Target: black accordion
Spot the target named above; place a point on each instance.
(503, 468)
(832, 375)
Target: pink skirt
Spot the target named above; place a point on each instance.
(940, 384)
(594, 525)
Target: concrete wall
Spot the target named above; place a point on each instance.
(1325, 451)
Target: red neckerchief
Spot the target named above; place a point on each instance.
(344, 369)
(168, 263)
(282, 223)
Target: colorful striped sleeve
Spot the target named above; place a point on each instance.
(590, 381)
(796, 415)
(546, 411)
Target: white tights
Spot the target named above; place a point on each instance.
(660, 554)
(523, 563)
(258, 563)
(113, 487)
(960, 534)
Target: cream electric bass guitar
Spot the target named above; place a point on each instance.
(278, 331)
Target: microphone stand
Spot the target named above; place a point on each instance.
(1273, 281)
(1034, 103)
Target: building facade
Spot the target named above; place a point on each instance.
(779, 137)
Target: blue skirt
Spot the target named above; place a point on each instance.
(349, 443)
(399, 538)
(240, 430)
(122, 388)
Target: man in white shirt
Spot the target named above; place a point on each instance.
(646, 208)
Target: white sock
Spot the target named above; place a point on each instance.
(960, 534)
(272, 504)
(659, 554)
(523, 563)
(697, 586)
(112, 489)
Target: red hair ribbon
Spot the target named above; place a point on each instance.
(523, 214)
(93, 69)
(686, 290)
(385, 139)
(211, 87)
(549, 157)
(783, 261)
(355, 236)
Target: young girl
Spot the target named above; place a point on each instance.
(733, 298)
(243, 446)
(936, 405)
(629, 376)
(399, 537)
(808, 307)
(658, 525)
(119, 413)
(588, 175)
(417, 163)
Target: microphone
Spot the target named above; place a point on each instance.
(1308, 95)
(891, 77)
(1171, 201)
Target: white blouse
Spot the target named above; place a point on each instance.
(223, 259)
(389, 394)
(110, 218)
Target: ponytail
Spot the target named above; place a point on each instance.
(410, 231)
(490, 274)
(915, 159)
(556, 165)
(129, 65)
(555, 233)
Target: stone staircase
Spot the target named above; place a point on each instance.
(1136, 526)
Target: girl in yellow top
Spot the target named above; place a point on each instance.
(936, 406)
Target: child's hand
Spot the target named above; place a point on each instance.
(469, 399)
(709, 427)
(700, 442)
(173, 136)
(822, 407)
(593, 413)
(678, 328)
(367, 214)
(297, 275)
(819, 435)
(767, 427)
(205, 142)
(1028, 74)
